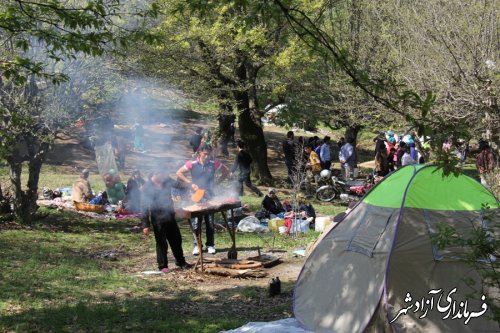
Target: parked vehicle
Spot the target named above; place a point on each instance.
(331, 187)
(273, 114)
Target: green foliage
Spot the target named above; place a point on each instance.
(62, 30)
(43, 38)
(482, 248)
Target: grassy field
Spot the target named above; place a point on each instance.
(56, 277)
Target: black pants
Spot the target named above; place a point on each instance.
(326, 165)
(245, 179)
(168, 231)
(290, 169)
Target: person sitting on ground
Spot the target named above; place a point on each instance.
(271, 205)
(339, 217)
(304, 210)
(81, 191)
(132, 201)
(114, 186)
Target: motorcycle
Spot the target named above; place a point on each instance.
(331, 187)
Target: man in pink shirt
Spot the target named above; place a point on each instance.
(203, 176)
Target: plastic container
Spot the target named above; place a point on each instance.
(299, 226)
(274, 224)
(321, 223)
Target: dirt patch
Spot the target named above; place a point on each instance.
(287, 270)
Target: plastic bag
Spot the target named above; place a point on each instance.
(289, 325)
(251, 224)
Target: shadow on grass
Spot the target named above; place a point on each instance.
(168, 310)
(71, 222)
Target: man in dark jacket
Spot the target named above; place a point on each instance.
(158, 210)
(272, 203)
(195, 140)
(243, 162)
(289, 148)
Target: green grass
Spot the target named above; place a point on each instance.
(52, 176)
(52, 280)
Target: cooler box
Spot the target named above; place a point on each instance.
(274, 224)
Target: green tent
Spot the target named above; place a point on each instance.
(377, 270)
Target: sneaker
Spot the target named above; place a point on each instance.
(165, 270)
(196, 251)
(211, 250)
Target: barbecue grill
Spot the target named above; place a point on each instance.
(212, 207)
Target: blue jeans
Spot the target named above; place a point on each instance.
(209, 228)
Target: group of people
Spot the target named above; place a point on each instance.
(153, 197)
(115, 191)
(317, 155)
(272, 207)
(392, 153)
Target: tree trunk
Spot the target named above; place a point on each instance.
(225, 119)
(351, 132)
(249, 123)
(21, 210)
(351, 135)
(25, 205)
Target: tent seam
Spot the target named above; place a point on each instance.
(389, 256)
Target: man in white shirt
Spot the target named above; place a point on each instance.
(347, 158)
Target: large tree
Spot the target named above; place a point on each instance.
(40, 37)
(216, 51)
(383, 37)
